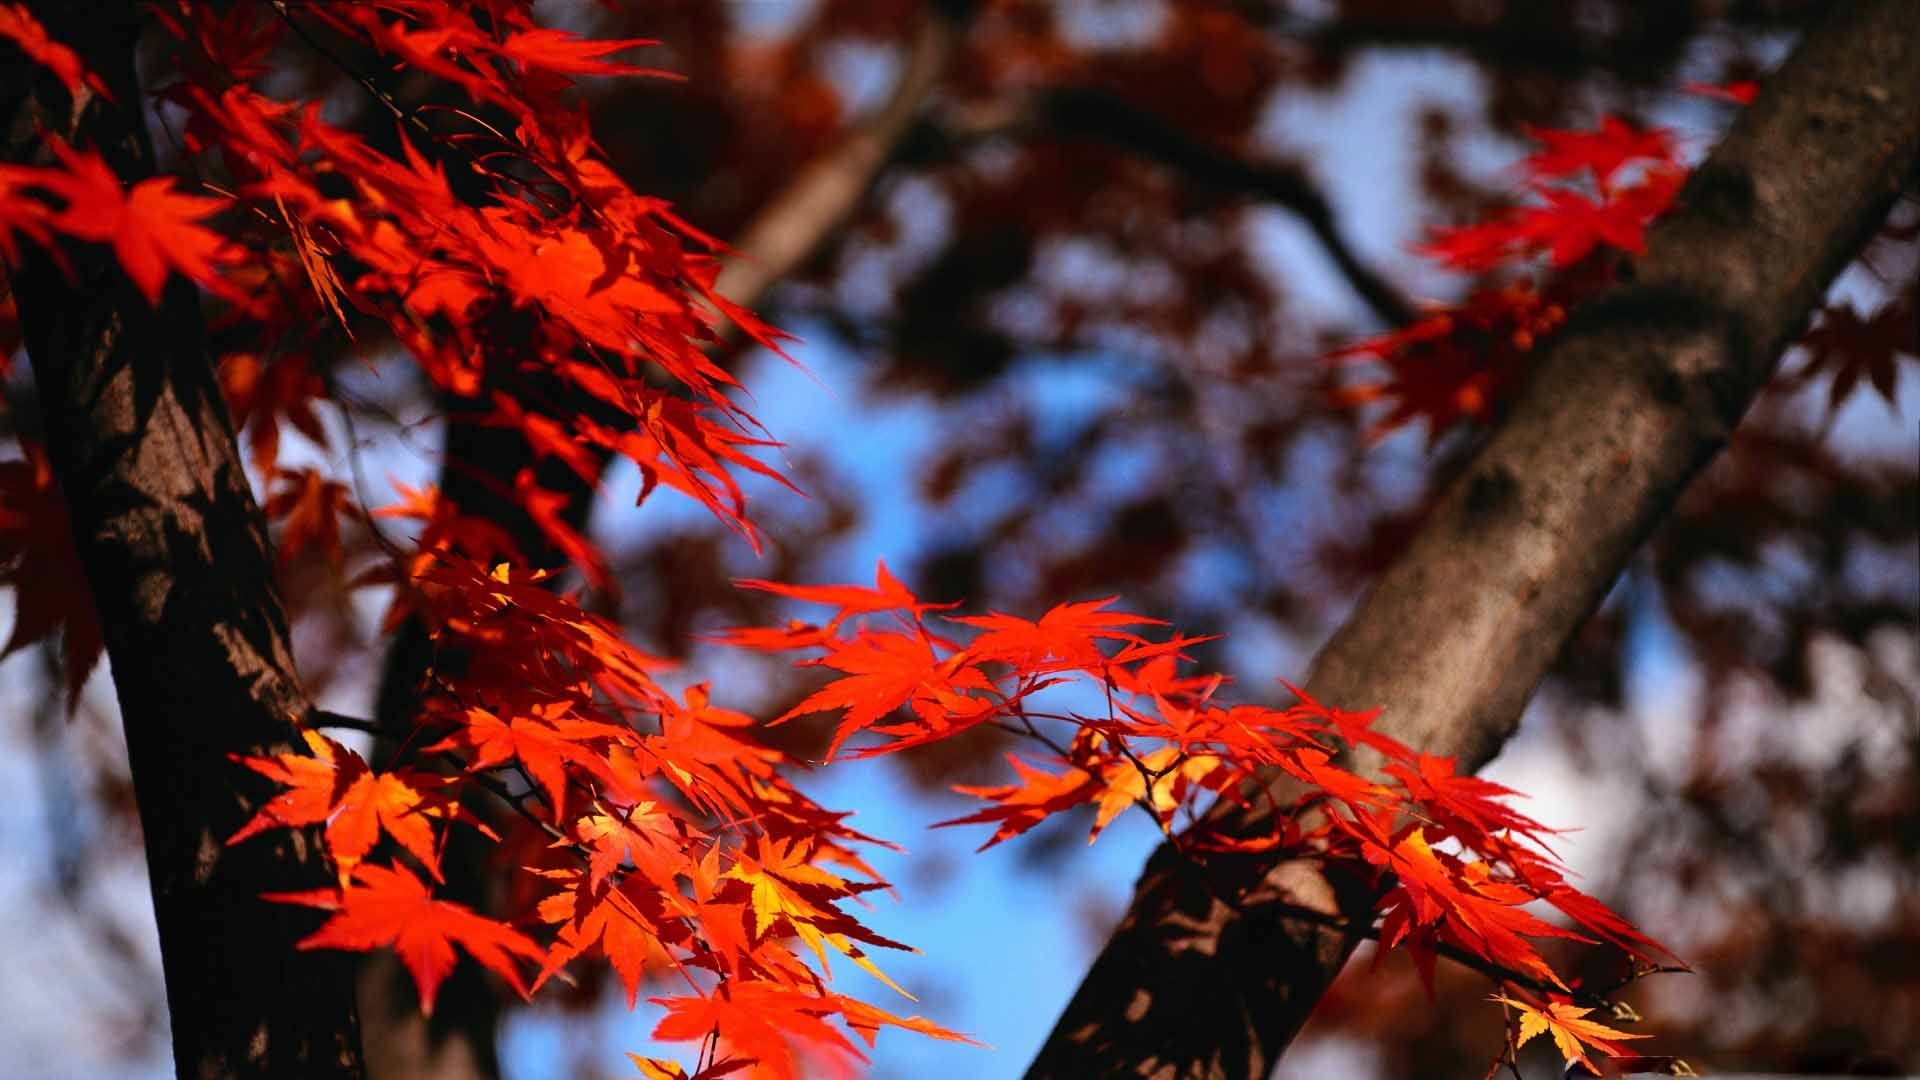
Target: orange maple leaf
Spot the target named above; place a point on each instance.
(1566, 1022)
(333, 785)
(630, 925)
(542, 738)
(1171, 773)
(652, 1068)
(759, 1021)
(887, 594)
(388, 906)
(1021, 806)
(866, 1021)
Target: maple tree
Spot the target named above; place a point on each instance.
(484, 236)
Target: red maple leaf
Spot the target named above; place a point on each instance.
(309, 507)
(38, 558)
(884, 670)
(1068, 634)
(151, 226)
(1851, 348)
(1739, 92)
(261, 393)
(387, 906)
(562, 52)
(1607, 923)
(1606, 151)
(18, 25)
(1477, 806)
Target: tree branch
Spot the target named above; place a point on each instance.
(1519, 37)
(175, 553)
(797, 223)
(1638, 392)
(1079, 112)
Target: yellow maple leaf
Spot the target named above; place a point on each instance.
(657, 1068)
(1566, 1022)
(1126, 785)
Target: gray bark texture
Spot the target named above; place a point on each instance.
(176, 556)
(1205, 977)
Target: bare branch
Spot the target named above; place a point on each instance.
(1519, 36)
(1078, 112)
(794, 226)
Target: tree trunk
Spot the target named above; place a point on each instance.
(1638, 392)
(175, 553)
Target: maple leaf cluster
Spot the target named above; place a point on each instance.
(682, 852)
(153, 228)
(544, 263)
(1454, 868)
(557, 268)
(1594, 191)
(679, 849)
(544, 269)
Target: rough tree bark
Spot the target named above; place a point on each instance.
(1204, 977)
(175, 552)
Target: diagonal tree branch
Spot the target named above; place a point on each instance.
(1087, 113)
(1638, 392)
(1518, 36)
(799, 221)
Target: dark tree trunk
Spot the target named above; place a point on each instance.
(477, 476)
(1637, 394)
(176, 556)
